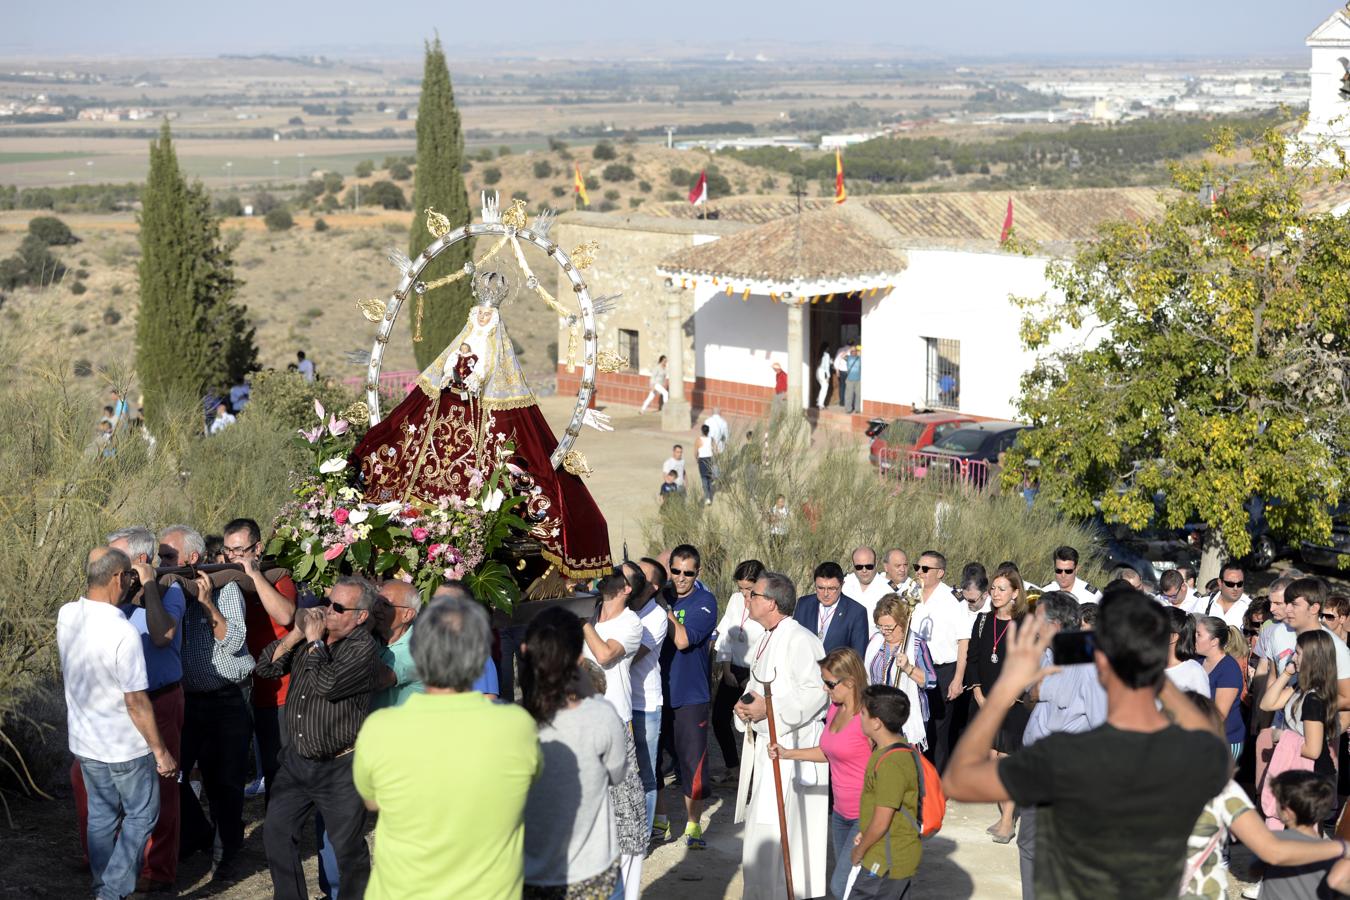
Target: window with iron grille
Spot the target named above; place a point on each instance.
(628, 346)
(943, 376)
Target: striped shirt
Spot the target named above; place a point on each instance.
(330, 691)
(210, 664)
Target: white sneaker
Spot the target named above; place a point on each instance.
(1252, 892)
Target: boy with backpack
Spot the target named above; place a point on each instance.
(891, 813)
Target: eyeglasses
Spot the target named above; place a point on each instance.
(687, 573)
(926, 569)
(754, 594)
(1233, 584)
(240, 551)
(1173, 595)
(890, 627)
(1059, 571)
(1251, 632)
(831, 685)
(864, 567)
(340, 609)
(826, 589)
(1329, 616)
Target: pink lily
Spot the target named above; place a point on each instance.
(319, 410)
(334, 552)
(313, 435)
(337, 426)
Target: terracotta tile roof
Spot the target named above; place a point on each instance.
(829, 243)
(1045, 217)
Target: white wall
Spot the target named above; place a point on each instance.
(958, 295)
(738, 340)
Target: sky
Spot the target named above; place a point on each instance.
(967, 28)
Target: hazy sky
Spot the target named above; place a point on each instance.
(395, 29)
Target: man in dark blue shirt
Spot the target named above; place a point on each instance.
(684, 682)
(837, 620)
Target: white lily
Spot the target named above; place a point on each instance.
(493, 501)
(358, 516)
(388, 509)
(329, 466)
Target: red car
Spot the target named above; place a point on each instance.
(914, 432)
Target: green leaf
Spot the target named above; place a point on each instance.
(360, 554)
(386, 562)
(492, 585)
(382, 539)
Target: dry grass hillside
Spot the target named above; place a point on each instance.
(300, 288)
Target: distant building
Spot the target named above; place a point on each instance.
(1329, 69)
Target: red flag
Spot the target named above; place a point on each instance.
(1007, 223)
(840, 192)
(699, 193)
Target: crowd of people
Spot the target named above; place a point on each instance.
(841, 715)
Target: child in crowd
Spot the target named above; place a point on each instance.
(1305, 799)
(887, 846)
(669, 485)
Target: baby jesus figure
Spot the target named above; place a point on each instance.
(465, 360)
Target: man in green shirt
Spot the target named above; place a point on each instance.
(394, 623)
(448, 771)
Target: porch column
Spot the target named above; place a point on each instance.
(794, 349)
(676, 415)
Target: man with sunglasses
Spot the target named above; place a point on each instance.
(332, 659)
(1066, 577)
(1231, 602)
(943, 623)
(863, 585)
(691, 618)
(269, 611)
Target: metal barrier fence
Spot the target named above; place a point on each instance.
(935, 470)
(393, 385)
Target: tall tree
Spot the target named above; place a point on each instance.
(1215, 371)
(439, 184)
(190, 337)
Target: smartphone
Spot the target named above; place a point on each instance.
(1070, 648)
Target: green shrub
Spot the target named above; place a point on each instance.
(604, 150)
(612, 195)
(400, 171)
(320, 225)
(78, 287)
(82, 368)
(558, 191)
(492, 175)
(619, 172)
(364, 168)
(385, 194)
(229, 206)
(645, 187)
(838, 502)
(111, 316)
(279, 219)
(51, 231)
(543, 169)
(79, 328)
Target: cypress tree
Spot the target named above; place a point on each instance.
(440, 184)
(190, 337)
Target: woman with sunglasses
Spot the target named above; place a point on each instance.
(736, 634)
(989, 640)
(901, 660)
(845, 748)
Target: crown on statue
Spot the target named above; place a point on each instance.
(490, 289)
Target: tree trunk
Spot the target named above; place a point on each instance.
(1211, 557)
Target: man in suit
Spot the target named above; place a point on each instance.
(837, 620)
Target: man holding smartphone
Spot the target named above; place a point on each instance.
(1112, 818)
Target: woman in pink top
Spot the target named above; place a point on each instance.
(845, 748)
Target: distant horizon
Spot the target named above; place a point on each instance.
(1043, 31)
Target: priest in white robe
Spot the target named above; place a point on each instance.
(788, 655)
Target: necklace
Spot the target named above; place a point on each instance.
(998, 636)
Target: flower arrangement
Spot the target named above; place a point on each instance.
(328, 530)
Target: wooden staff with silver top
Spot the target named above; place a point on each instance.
(778, 784)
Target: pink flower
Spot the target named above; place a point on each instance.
(340, 515)
(334, 552)
(337, 426)
(419, 534)
(313, 434)
(319, 410)
(434, 550)
(454, 573)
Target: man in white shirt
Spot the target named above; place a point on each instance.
(1304, 600)
(111, 725)
(863, 585)
(718, 430)
(645, 677)
(895, 566)
(943, 623)
(1066, 577)
(1173, 591)
(841, 372)
(1230, 603)
(306, 366)
(675, 463)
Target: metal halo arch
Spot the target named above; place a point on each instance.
(555, 252)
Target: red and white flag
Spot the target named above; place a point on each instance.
(699, 193)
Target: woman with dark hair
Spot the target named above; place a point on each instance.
(1309, 713)
(975, 588)
(658, 386)
(582, 742)
(1212, 636)
(845, 748)
(736, 634)
(1182, 665)
(989, 641)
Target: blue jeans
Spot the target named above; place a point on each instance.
(842, 832)
(123, 810)
(647, 737)
(330, 881)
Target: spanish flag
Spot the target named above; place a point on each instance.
(840, 192)
(579, 185)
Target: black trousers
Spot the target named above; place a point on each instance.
(269, 726)
(941, 712)
(304, 786)
(216, 731)
(728, 738)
